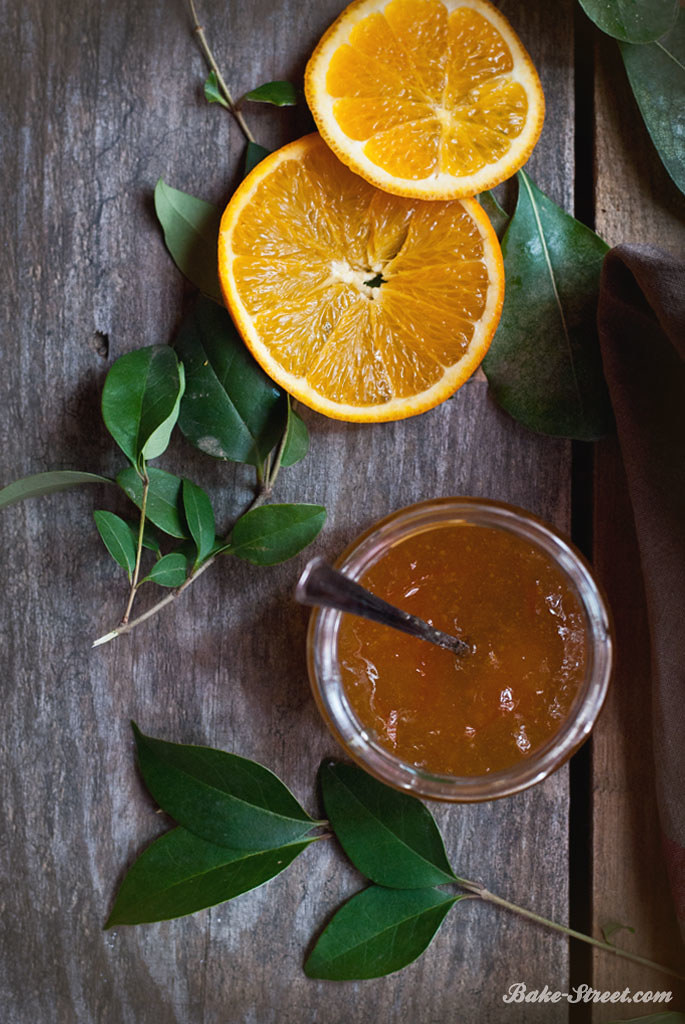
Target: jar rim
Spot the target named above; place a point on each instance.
(326, 679)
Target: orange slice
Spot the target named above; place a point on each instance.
(364, 306)
(430, 98)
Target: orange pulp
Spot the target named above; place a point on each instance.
(487, 710)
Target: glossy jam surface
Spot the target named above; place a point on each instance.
(485, 711)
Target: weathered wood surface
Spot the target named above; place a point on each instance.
(635, 202)
(98, 101)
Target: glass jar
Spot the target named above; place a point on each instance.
(360, 744)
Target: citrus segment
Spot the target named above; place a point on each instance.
(430, 98)
(421, 28)
(363, 305)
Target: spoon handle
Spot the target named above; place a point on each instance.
(321, 584)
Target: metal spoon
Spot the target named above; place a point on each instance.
(321, 584)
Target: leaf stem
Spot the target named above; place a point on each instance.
(490, 897)
(263, 492)
(139, 549)
(219, 77)
(267, 470)
(271, 477)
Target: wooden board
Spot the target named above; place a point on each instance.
(100, 99)
(635, 202)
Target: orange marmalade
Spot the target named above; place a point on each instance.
(495, 706)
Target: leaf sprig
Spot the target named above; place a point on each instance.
(239, 826)
(651, 37)
(225, 405)
(182, 510)
(229, 409)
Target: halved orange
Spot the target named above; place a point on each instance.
(364, 306)
(429, 98)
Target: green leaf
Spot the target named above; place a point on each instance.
(254, 154)
(656, 72)
(150, 538)
(221, 797)
(158, 442)
(170, 571)
(191, 233)
(180, 874)
(47, 483)
(116, 536)
(200, 519)
(188, 550)
(163, 508)
(280, 94)
(377, 932)
(141, 399)
(389, 836)
(297, 438)
(612, 927)
(655, 1018)
(275, 533)
(212, 91)
(632, 21)
(231, 409)
(499, 218)
(544, 365)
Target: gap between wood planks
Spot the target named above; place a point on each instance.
(582, 462)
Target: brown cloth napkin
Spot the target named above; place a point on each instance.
(641, 320)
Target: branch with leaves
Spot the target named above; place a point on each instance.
(224, 404)
(227, 407)
(236, 833)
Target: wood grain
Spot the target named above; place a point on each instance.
(636, 201)
(100, 100)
